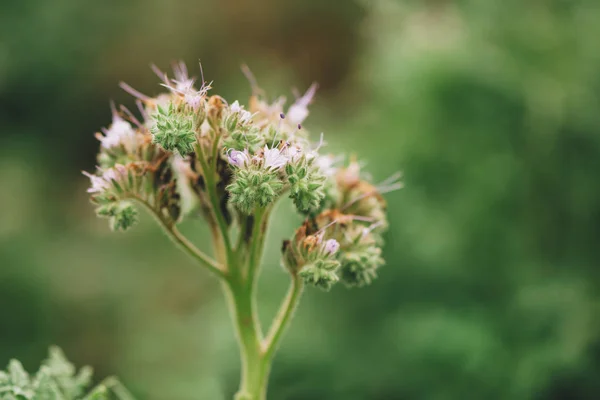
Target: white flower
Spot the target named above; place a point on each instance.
(294, 152)
(325, 165)
(104, 182)
(183, 82)
(243, 115)
(120, 133)
(235, 107)
(98, 183)
(194, 99)
(273, 158)
(183, 85)
(238, 158)
(331, 246)
(299, 110)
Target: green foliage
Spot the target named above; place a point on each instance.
(57, 379)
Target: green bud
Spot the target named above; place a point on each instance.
(321, 273)
(122, 215)
(359, 267)
(306, 186)
(253, 188)
(173, 130)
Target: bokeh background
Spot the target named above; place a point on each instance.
(491, 109)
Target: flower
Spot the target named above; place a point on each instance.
(243, 115)
(119, 133)
(325, 165)
(238, 158)
(183, 85)
(104, 182)
(331, 246)
(274, 158)
(299, 110)
(235, 107)
(182, 80)
(99, 184)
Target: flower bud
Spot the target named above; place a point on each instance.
(359, 267)
(306, 185)
(215, 110)
(173, 130)
(253, 188)
(331, 246)
(123, 216)
(320, 273)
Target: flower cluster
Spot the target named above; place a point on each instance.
(354, 218)
(236, 162)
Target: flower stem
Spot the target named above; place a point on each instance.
(181, 241)
(283, 318)
(255, 367)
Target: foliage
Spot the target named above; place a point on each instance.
(57, 379)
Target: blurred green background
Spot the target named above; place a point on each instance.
(491, 109)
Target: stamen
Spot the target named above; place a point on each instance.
(394, 177)
(390, 188)
(134, 92)
(131, 116)
(322, 230)
(256, 90)
(357, 199)
(161, 75)
(370, 228)
(142, 110)
(202, 73)
(113, 110)
(362, 218)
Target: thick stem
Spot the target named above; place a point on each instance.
(255, 366)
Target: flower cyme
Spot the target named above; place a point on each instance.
(191, 155)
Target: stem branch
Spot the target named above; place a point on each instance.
(283, 318)
(182, 242)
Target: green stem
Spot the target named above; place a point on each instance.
(255, 367)
(211, 189)
(181, 241)
(283, 318)
(257, 244)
